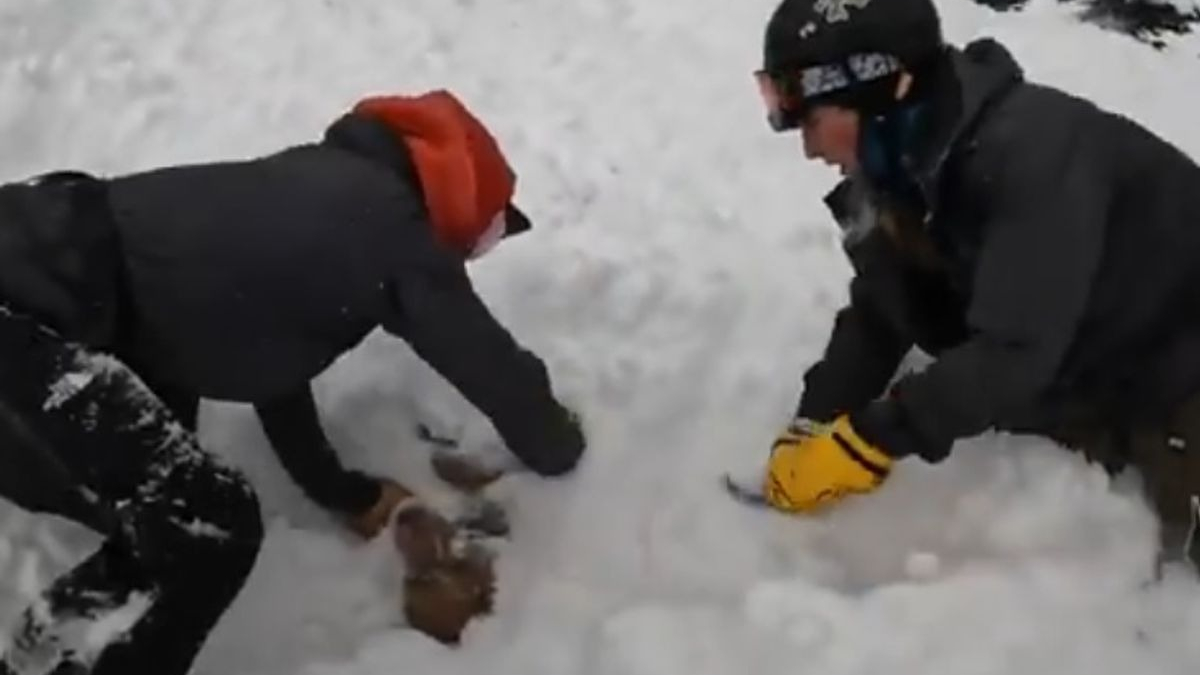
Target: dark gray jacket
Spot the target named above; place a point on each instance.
(244, 280)
(1068, 274)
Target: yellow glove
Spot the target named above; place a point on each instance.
(811, 468)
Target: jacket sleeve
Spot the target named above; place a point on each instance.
(866, 346)
(1041, 248)
(294, 430)
(438, 312)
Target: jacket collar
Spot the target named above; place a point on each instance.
(965, 84)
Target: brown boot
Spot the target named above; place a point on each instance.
(371, 522)
(446, 583)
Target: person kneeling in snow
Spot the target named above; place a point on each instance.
(1044, 251)
(124, 300)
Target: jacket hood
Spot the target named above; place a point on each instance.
(465, 179)
(970, 81)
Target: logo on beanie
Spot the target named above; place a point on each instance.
(838, 10)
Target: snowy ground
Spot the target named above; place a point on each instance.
(680, 276)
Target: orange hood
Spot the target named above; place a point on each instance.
(467, 182)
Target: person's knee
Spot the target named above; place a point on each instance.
(214, 533)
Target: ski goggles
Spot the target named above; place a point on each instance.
(790, 94)
(783, 100)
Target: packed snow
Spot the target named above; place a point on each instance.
(681, 274)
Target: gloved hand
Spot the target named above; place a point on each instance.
(573, 425)
(812, 466)
(552, 445)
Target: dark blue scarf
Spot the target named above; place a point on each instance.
(885, 146)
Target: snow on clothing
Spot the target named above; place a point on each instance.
(82, 437)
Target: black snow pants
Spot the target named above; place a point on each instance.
(83, 437)
(1168, 456)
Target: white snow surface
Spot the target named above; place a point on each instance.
(681, 274)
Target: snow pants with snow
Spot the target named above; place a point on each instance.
(82, 436)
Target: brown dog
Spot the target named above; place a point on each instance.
(448, 581)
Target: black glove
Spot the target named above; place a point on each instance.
(552, 448)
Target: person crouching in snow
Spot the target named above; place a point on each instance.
(1045, 252)
(124, 300)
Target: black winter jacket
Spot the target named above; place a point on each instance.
(244, 280)
(1068, 275)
